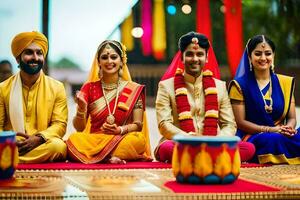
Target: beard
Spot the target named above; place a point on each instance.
(29, 69)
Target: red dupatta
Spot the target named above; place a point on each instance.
(127, 99)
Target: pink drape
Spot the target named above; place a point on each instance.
(146, 23)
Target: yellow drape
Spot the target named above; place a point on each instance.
(159, 30)
(126, 37)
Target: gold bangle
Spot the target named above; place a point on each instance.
(261, 129)
(80, 116)
(81, 112)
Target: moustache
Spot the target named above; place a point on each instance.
(37, 62)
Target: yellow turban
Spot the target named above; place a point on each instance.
(23, 40)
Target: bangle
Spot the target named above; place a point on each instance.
(262, 129)
(81, 112)
(80, 116)
(122, 130)
(265, 129)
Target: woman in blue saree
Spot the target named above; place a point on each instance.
(264, 105)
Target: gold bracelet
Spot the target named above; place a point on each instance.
(80, 116)
(81, 112)
(262, 129)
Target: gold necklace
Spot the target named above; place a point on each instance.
(111, 118)
(109, 86)
(269, 108)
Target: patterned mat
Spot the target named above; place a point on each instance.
(150, 184)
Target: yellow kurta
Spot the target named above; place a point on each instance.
(55, 110)
(166, 111)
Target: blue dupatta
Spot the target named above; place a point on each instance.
(254, 102)
(270, 147)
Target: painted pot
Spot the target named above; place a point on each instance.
(206, 159)
(9, 155)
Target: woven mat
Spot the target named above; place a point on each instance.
(149, 184)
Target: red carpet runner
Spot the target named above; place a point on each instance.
(128, 165)
(237, 186)
(77, 166)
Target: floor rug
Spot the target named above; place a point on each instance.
(128, 165)
(81, 166)
(239, 185)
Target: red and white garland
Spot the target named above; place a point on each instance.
(211, 103)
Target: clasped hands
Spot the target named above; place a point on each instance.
(112, 129)
(29, 143)
(286, 130)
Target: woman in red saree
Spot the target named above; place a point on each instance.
(110, 119)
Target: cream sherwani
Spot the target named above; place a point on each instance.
(166, 111)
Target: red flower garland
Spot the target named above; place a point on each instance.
(182, 103)
(184, 108)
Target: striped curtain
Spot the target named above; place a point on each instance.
(159, 30)
(233, 33)
(146, 22)
(126, 37)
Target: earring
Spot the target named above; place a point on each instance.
(100, 73)
(121, 72)
(250, 65)
(272, 67)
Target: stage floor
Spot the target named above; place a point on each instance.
(273, 182)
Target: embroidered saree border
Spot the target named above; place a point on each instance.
(99, 105)
(100, 156)
(287, 86)
(277, 159)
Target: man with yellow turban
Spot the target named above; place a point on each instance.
(32, 104)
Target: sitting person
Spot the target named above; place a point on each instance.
(34, 105)
(182, 106)
(110, 117)
(264, 105)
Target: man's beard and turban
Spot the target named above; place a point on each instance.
(22, 40)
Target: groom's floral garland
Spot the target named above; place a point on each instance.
(184, 109)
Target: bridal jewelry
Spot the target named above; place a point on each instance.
(109, 86)
(111, 118)
(269, 108)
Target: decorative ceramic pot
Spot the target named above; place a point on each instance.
(206, 159)
(9, 155)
